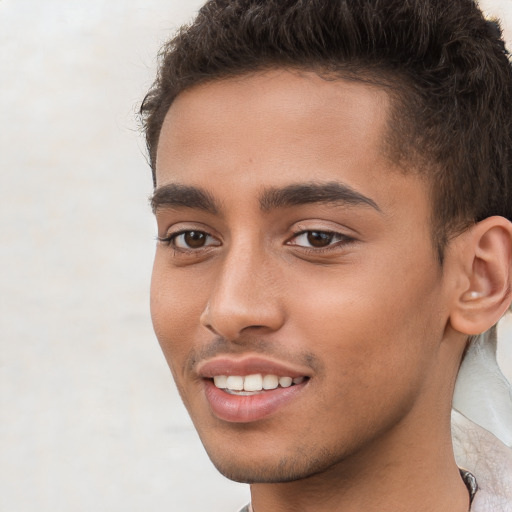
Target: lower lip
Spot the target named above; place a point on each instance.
(244, 409)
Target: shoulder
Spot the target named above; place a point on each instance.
(484, 455)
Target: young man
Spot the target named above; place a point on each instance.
(333, 193)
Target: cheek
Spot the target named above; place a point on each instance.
(176, 305)
(381, 319)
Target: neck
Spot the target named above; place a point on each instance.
(389, 475)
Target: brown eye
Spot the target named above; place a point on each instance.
(187, 240)
(319, 238)
(313, 239)
(194, 239)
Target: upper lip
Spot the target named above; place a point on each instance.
(249, 365)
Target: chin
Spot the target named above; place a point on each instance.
(258, 470)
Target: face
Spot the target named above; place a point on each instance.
(295, 293)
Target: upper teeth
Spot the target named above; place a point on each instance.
(255, 382)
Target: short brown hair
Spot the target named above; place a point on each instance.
(449, 65)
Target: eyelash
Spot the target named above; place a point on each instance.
(342, 241)
(170, 240)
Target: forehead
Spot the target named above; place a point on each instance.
(282, 93)
(277, 128)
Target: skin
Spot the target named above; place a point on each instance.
(366, 318)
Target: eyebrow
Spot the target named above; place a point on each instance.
(175, 195)
(308, 193)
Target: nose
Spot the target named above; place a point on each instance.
(244, 296)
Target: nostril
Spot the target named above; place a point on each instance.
(229, 316)
(255, 327)
(211, 329)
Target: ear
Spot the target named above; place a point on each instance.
(483, 293)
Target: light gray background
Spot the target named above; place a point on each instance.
(89, 418)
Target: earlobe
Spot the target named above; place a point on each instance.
(486, 262)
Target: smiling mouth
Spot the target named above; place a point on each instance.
(253, 384)
(251, 397)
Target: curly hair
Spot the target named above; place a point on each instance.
(443, 64)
